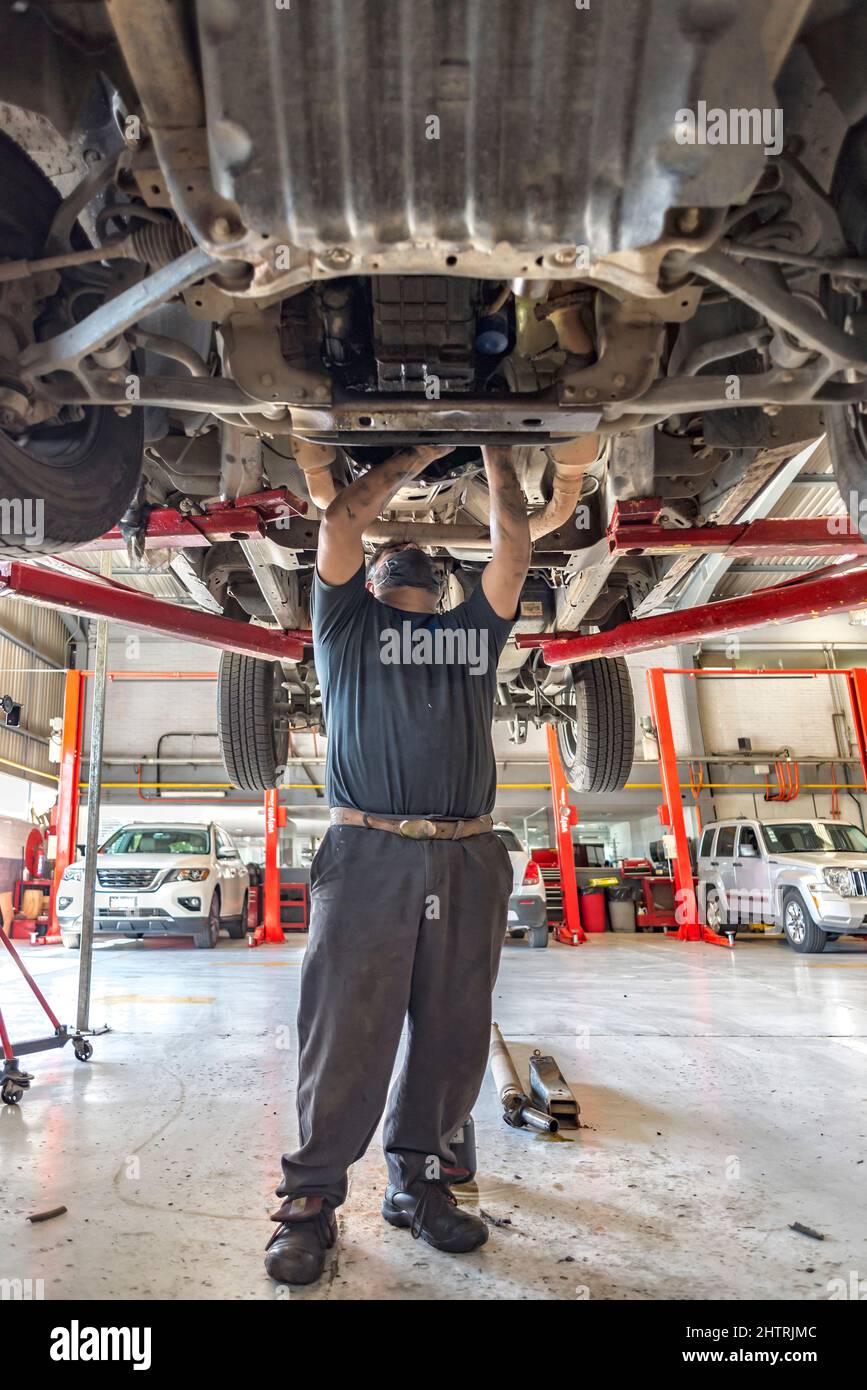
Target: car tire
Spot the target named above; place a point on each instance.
(83, 475)
(254, 748)
(801, 931)
(597, 742)
(207, 939)
(538, 937)
(845, 425)
(715, 915)
(71, 940)
(237, 929)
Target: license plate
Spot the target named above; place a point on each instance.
(512, 916)
(122, 904)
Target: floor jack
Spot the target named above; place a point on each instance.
(13, 1080)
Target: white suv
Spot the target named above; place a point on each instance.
(160, 880)
(528, 911)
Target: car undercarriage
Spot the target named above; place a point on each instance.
(251, 247)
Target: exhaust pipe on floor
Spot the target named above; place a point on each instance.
(518, 1109)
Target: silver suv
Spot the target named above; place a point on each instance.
(807, 877)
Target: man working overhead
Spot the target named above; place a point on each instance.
(410, 886)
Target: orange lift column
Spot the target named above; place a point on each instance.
(671, 813)
(68, 785)
(565, 816)
(275, 816)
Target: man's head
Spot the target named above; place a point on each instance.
(403, 571)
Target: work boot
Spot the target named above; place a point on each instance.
(295, 1254)
(430, 1210)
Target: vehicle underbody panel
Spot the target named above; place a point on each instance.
(448, 127)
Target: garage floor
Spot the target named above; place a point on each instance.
(723, 1096)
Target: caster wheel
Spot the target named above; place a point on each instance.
(251, 940)
(83, 1051)
(11, 1092)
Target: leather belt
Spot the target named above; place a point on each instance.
(414, 827)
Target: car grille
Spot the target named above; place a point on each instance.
(133, 912)
(126, 878)
(859, 882)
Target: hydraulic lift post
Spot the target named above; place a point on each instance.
(671, 813)
(565, 816)
(690, 927)
(67, 787)
(275, 816)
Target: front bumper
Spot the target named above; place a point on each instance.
(526, 911)
(839, 914)
(158, 913)
(188, 925)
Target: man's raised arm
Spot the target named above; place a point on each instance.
(340, 551)
(503, 577)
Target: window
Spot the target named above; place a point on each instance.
(224, 844)
(157, 839)
(725, 842)
(750, 839)
(813, 837)
(707, 843)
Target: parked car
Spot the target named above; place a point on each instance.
(528, 911)
(540, 239)
(808, 877)
(160, 880)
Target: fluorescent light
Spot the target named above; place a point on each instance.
(185, 796)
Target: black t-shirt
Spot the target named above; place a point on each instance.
(408, 701)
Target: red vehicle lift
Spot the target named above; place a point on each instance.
(635, 529)
(59, 583)
(570, 932)
(671, 813)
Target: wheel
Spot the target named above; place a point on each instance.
(846, 425)
(538, 937)
(715, 915)
(597, 740)
(237, 929)
(71, 940)
(83, 1051)
(11, 1092)
(253, 743)
(206, 940)
(802, 933)
(71, 478)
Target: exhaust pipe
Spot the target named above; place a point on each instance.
(518, 1109)
(315, 461)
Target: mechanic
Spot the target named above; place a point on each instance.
(410, 886)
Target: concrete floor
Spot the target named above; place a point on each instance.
(723, 1095)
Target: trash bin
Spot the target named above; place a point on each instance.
(594, 917)
(621, 908)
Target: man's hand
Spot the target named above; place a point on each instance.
(340, 552)
(503, 577)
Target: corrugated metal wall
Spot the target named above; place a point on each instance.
(32, 682)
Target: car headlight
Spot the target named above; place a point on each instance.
(840, 880)
(188, 875)
(73, 875)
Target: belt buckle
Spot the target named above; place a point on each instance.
(417, 829)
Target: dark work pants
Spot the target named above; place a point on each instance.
(398, 927)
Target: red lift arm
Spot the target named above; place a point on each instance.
(68, 586)
(810, 597)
